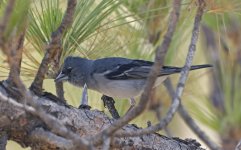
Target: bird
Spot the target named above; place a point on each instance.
(115, 77)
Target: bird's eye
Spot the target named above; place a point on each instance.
(67, 70)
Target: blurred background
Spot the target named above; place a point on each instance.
(133, 29)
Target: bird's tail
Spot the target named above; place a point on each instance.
(167, 70)
(200, 66)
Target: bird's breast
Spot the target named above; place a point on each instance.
(122, 88)
(119, 88)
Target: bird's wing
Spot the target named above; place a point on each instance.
(139, 69)
(135, 69)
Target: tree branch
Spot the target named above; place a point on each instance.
(53, 47)
(54, 124)
(84, 123)
(15, 57)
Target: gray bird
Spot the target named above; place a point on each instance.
(114, 76)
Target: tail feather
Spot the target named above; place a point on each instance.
(200, 66)
(167, 70)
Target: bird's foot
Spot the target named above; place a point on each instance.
(83, 106)
(110, 104)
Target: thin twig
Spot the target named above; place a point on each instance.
(238, 147)
(159, 59)
(158, 116)
(53, 47)
(60, 90)
(15, 103)
(182, 80)
(59, 86)
(190, 122)
(13, 48)
(15, 57)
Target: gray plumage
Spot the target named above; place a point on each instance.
(114, 76)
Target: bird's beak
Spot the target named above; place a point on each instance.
(61, 77)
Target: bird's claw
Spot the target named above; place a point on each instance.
(83, 106)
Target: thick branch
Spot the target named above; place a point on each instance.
(86, 123)
(55, 125)
(53, 47)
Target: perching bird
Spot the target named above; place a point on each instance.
(115, 77)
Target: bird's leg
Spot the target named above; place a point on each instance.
(132, 102)
(110, 104)
(84, 99)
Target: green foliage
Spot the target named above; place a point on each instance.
(17, 20)
(44, 18)
(88, 19)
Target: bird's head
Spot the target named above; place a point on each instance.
(72, 70)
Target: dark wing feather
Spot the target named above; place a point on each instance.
(136, 69)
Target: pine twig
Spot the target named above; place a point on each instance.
(15, 57)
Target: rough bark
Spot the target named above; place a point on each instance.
(29, 131)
